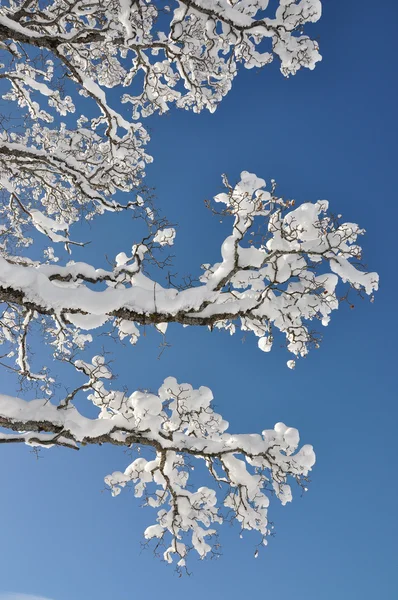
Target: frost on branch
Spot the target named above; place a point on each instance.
(179, 425)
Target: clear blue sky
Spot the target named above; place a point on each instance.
(331, 134)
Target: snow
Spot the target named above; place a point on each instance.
(147, 415)
(165, 237)
(87, 322)
(54, 175)
(273, 285)
(16, 27)
(187, 425)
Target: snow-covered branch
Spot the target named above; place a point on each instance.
(59, 56)
(282, 283)
(280, 268)
(179, 425)
(187, 53)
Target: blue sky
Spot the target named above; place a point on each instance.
(332, 134)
